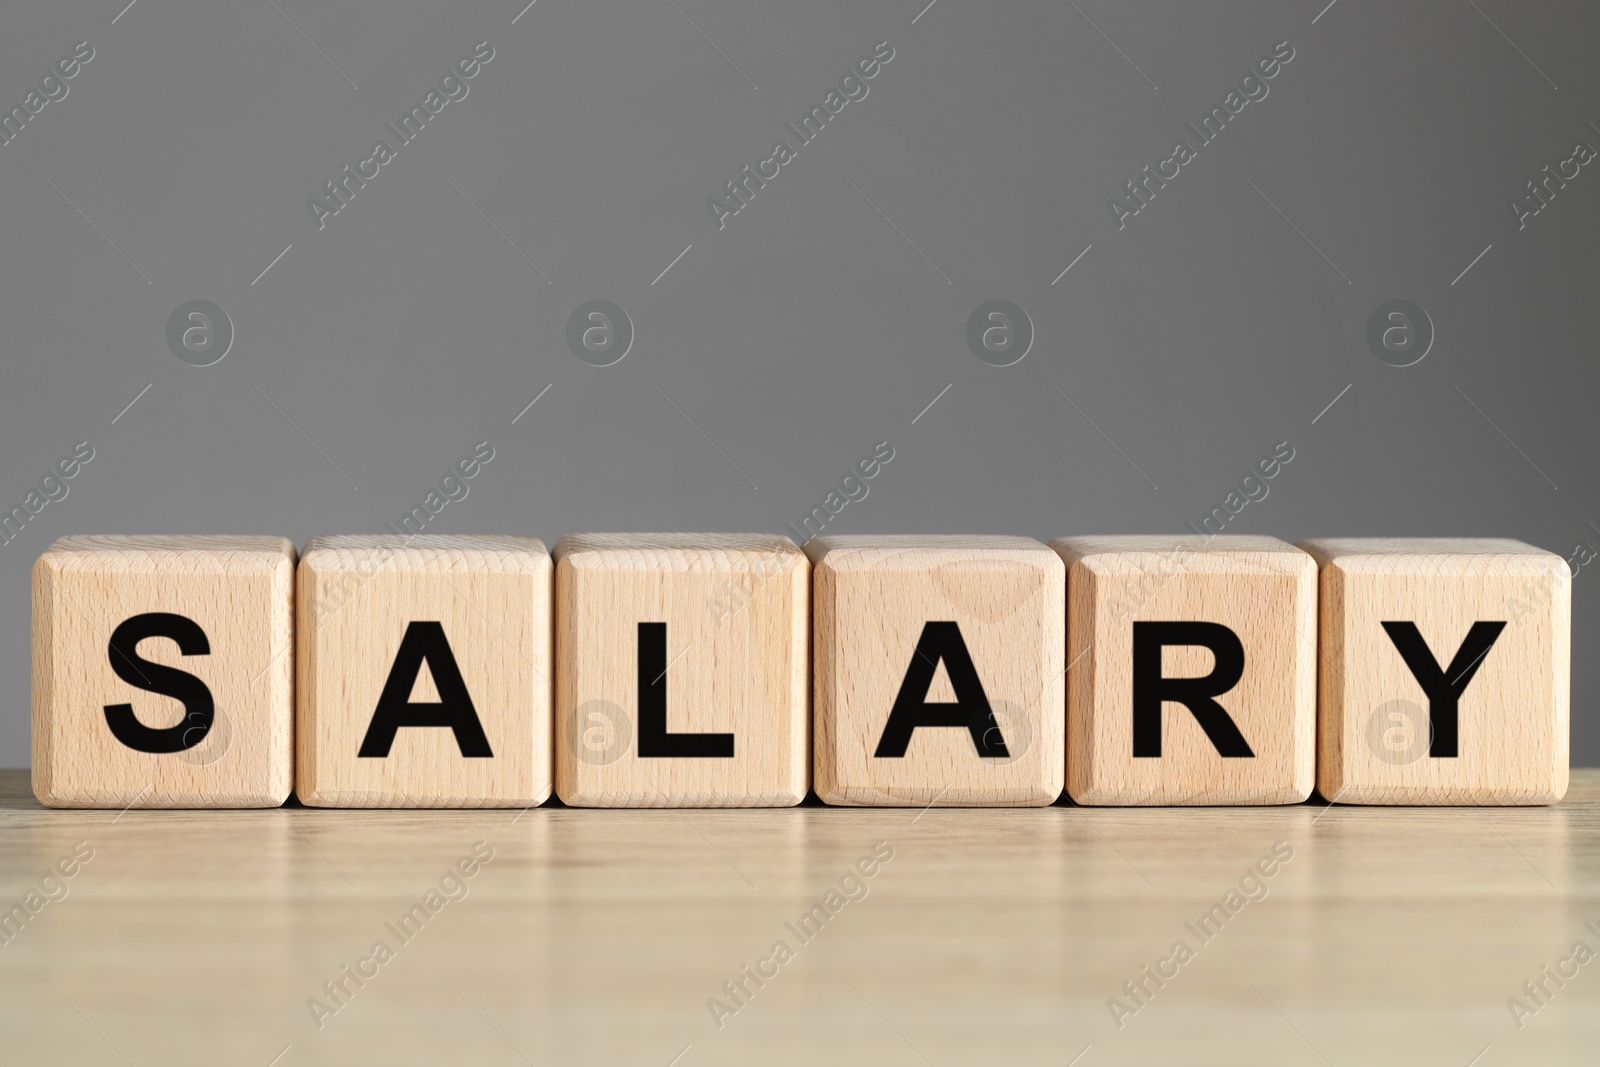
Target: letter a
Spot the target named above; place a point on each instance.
(425, 642)
(941, 641)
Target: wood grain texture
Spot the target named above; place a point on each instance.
(873, 597)
(994, 936)
(358, 597)
(1513, 715)
(1265, 591)
(240, 592)
(737, 615)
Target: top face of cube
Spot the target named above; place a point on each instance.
(891, 552)
(426, 553)
(688, 552)
(1457, 556)
(1139, 553)
(218, 554)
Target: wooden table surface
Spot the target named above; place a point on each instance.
(1391, 936)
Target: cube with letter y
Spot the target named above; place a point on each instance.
(1445, 671)
(1192, 670)
(681, 665)
(424, 672)
(938, 671)
(163, 672)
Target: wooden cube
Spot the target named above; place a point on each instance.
(1192, 676)
(938, 674)
(681, 670)
(424, 672)
(163, 672)
(1446, 669)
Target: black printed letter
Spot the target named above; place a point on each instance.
(654, 740)
(198, 706)
(941, 641)
(425, 642)
(1444, 688)
(1150, 689)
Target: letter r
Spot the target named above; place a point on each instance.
(1151, 689)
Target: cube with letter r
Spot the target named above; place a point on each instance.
(1192, 670)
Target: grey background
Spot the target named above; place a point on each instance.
(825, 317)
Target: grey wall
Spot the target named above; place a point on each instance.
(825, 316)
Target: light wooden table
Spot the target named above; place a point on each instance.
(1392, 936)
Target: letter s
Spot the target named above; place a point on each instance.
(198, 706)
(83, 51)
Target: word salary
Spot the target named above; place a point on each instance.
(690, 669)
